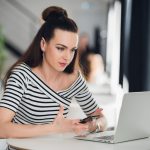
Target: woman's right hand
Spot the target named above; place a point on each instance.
(63, 125)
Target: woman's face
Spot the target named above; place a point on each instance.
(59, 51)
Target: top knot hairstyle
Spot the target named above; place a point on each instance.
(54, 12)
(55, 18)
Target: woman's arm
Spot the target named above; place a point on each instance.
(8, 129)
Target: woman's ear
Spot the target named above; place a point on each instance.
(43, 44)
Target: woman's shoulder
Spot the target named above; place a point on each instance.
(72, 77)
(21, 66)
(75, 76)
(20, 70)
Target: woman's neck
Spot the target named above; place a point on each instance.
(48, 73)
(54, 78)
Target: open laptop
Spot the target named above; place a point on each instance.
(133, 122)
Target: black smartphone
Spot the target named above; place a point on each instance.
(87, 119)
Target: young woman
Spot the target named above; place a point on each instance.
(41, 84)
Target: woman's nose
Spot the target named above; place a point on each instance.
(67, 55)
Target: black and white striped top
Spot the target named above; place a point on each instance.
(35, 103)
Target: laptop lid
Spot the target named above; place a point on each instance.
(134, 122)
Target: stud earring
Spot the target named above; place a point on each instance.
(42, 49)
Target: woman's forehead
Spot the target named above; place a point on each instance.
(67, 38)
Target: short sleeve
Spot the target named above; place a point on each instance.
(13, 92)
(85, 99)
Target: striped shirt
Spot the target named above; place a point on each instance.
(36, 103)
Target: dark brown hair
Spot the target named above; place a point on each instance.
(55, 18)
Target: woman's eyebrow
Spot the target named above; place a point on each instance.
(66, 46)
(62, 45)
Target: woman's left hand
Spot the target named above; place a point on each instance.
(99, 122)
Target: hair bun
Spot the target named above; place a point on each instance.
(54, 12)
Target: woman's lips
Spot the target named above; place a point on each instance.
(63, 64)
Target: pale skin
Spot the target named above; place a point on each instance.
(57, 54)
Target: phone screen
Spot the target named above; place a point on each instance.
(87, 119)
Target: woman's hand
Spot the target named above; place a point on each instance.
(99, 124)
(63, 125)
(96, 122)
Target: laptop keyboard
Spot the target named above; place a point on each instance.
(109, 137)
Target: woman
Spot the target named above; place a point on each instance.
(40, 85)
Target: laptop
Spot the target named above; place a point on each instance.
(133, 121)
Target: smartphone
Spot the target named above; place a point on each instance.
(87, 119)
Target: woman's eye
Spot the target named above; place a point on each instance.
(60, 48)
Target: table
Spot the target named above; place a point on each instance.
(67, 142)
(3, 144)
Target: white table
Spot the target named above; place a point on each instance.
(67, 142)
(3, 144)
